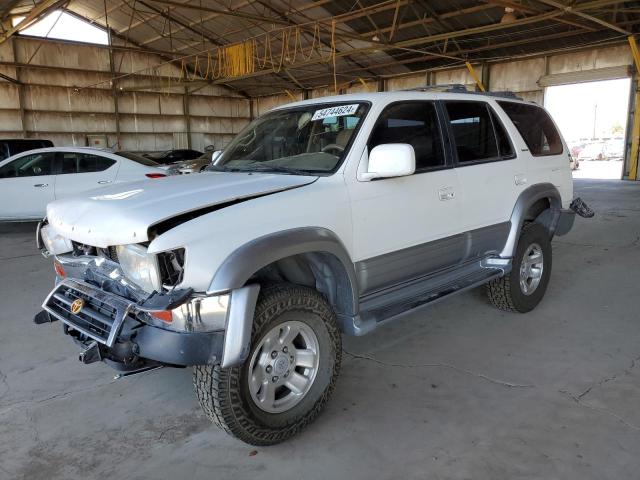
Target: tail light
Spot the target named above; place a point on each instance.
(154, 175)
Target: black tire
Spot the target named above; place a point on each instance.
(224, 393)
(506, 292)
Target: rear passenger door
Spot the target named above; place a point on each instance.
(490, 173)
(79, 172)
(405, 227)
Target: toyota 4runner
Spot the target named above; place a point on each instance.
(321, 218)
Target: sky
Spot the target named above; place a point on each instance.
(67, 27)
(574, 107)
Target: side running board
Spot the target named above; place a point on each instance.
(387, 305)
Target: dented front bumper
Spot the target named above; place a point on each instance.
(115, 322)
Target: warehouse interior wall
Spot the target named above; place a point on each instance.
(64, 92)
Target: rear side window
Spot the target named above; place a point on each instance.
(472, 129)
(70, 162)
(415, 123)
(536, 127)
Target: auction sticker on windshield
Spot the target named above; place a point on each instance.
(340, 111)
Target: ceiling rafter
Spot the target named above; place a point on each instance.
(374, 38)
(449, 35)
(570, 10)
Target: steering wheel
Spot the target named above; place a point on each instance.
(333, 146)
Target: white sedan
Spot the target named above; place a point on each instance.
(30, 180)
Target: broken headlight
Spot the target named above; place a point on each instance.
(140, 267)
(54, 243)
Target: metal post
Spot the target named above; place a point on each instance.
(485, 75)
(23, 121)
(635, 135)
(114, 88)
(187, 115)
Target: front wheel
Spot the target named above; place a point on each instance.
(289, 376)
(523, 288)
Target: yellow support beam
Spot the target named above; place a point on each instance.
(475, 77)
(635, 132)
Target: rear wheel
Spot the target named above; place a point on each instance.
(523, 288)
(290, 373)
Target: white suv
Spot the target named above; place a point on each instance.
(322, 217)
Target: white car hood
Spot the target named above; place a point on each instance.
(121, 214)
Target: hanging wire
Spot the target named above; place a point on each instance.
(255, 54)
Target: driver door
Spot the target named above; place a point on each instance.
(26, 186)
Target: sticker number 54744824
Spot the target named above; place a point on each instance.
(339, 111)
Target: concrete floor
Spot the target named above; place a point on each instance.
(457, 391)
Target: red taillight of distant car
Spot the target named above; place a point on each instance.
(154, 175)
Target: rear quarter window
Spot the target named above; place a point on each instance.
(536, 127)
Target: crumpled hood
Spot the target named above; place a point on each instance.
(121, 214)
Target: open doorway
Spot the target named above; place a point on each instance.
(592, 117)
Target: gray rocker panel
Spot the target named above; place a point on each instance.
(390, 269)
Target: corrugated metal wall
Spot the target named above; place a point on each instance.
(520, 76)
(57, 101)
(52, 104)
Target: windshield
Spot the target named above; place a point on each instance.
(138, 158)
(300, 140)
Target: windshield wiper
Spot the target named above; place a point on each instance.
(224, 168)
(256, 167)
(270, 168)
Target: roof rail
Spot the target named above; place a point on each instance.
(445, 87)
(501, 93)
(460, 88)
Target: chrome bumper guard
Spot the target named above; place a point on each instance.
(100, 314)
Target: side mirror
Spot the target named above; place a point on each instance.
(209, 148)
(390, 160)
(215, 155)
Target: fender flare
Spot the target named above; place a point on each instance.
(249, 258)
(526, 199)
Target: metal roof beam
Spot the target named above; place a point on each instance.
(575, 10)
(529, 9)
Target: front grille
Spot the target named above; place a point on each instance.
(101, 316)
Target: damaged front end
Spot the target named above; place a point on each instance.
(116, 321)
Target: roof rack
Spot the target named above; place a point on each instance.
(460, 88)
(445, 87)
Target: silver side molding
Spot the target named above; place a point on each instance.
(526, 199)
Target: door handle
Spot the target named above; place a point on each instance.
(520, 179)
(446, 194)
(41, 185)
(102, 182)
